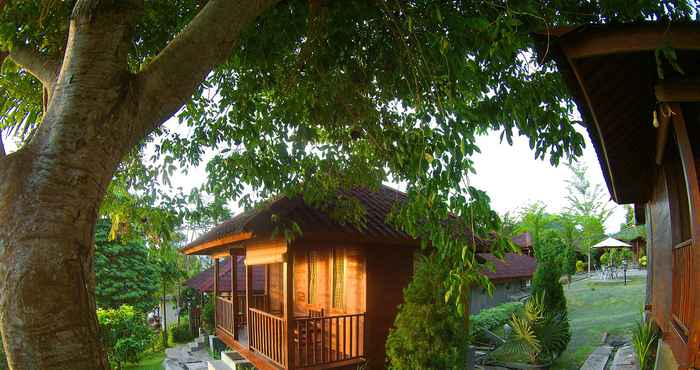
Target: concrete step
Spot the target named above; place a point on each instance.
(598, 359)
(217, 365)
(199, 365)
(235, 361)
(625, 359)
(196, 346)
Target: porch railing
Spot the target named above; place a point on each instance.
(329, 339)
(266, 335)
(681, 308)
(224, 315)
(260, 302)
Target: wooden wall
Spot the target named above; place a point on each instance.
(276, 290)
(672, 220)
(389, 270)
(661, 245)
(354, 278)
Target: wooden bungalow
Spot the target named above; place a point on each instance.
(636, 237)
(525, 243)
(643, 117)
(511, 277)
(331, 294)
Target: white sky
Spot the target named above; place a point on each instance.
(513, 178)
(510, 175)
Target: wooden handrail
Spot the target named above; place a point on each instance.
(224, 315)
(325, 340)
(263, 313)
(266, 335)
(684, 244)
(682, 286)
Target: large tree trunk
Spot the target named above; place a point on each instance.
(51, 189)
(47, 228)
(50, 192)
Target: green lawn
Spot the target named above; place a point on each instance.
(595, 308)
(152, 362)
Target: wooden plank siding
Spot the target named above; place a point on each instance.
(675, 234)
(389, 270)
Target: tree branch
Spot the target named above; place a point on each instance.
(2, 147)
(44, 68)
(172, 77)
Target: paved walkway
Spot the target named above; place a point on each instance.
(186, 357)
(624, 358)
(598, 359)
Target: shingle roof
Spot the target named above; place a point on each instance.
(204, 281)
(377, 204)
(512, 266)
(523, 240)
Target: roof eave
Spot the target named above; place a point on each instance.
(212, 246)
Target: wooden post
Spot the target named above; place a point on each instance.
(216, 289)
(266, 299)
(288, 307)
(248, 297)
(234, 293)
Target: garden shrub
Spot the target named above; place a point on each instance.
(208, 319)
(643, 262)
(181, 334)
(427, 333)
(124, 333)
(644, 339)
(546, 282)
(580, 266)
(538, 333)
(492, 318)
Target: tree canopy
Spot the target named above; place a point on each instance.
(285, 97)
(124, 273)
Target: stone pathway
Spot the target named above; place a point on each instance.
(624, 357)
(189, 356)
(598, 359)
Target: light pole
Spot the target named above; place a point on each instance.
(624, 269)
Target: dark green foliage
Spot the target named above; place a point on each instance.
(124, 333)
(189, 299)
(427, 333)
(208, 315)
(181, 334)
(545, 282)
(568, 260)
(540, 334)
(644, 339)
(124, 272)
(494, 317)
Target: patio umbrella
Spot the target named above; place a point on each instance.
(612, 243)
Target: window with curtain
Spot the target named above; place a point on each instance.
(338, 279)
(312, 264)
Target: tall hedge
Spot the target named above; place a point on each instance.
(428, 333)
(546, 278)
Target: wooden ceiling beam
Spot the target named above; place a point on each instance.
(228, 239)
(663, 116)
(594, 116)
(630, 38)
(678, 91)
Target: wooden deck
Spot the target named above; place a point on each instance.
(318, 342)
(258, 361)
